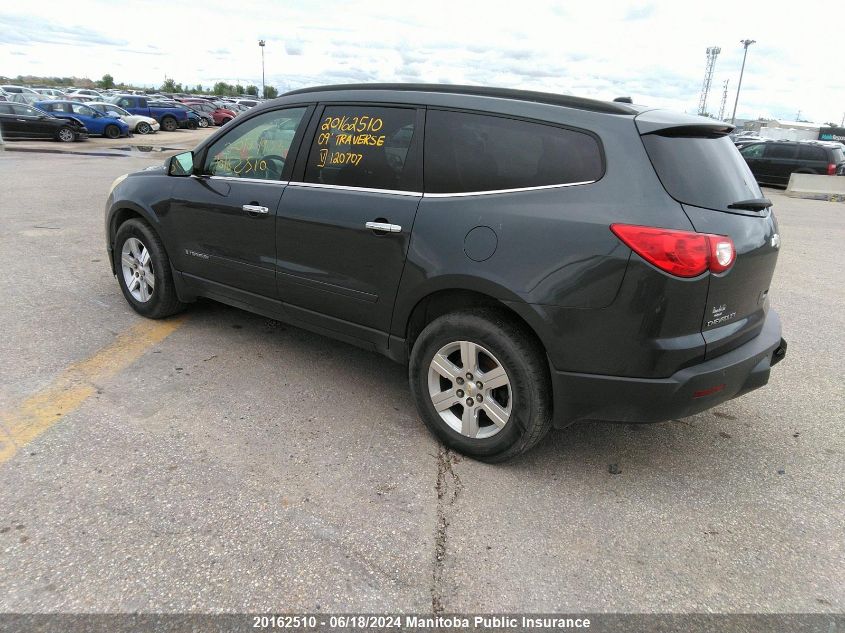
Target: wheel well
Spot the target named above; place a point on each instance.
(444, 301)
(120, 216)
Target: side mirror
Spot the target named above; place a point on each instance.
(181, 164)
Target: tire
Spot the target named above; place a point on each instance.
(224, 121)
(169, 124)
(66, 135)
(203, 122)
(143, 128)
(500, 343)
(112, 132)
(156, 300)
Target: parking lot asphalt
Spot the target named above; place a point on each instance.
(222, 461)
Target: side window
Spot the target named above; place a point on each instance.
(47, 107)
(124, 103)
(473, 152)
(753, 151)
(24, 110)
(5, 108)
(142, 103)
(780, 150)
(812, 152)
(363, 146)
(84, 110)
(257, 148)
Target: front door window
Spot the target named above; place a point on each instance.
(257, 148)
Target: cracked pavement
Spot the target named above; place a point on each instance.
(239, 464)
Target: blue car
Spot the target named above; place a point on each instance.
(96, 122)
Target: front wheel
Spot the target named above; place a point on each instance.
(203, 122)
(143, 271)
(144, 128)
(169, 124)
(112, 132)
(66, 135)
(481, 384)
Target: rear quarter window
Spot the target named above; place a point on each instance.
(812, 152)
(467, 152)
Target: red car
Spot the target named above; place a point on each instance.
(220, 115)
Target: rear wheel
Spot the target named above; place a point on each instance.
(143, 271)
(66, 135)
(143, 128)
(112, 131)
(169, 124)
(481, 384)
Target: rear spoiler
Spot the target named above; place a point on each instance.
(670, 123)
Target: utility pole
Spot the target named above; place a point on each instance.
(798, 116)
(745, 44)
(724, 100)
(263, 87)
(712, 53)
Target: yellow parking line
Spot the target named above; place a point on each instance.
(76, 384)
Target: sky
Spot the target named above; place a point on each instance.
(652, 51)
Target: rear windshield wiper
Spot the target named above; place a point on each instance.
(754, 204)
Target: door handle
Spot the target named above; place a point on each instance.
(255, 208)
(384, 226)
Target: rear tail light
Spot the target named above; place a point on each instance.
(831, 169)
(679, 253)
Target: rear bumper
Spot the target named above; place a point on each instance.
(687, 392)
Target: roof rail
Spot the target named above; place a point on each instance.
(568, 101)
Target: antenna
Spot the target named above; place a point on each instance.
(712, 53)
(724, 100)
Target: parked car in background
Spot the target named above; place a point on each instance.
(219, 114)
(81, 98)
(19, 121)
(205, 119)
(486, 237)
(12, 89)
(192, 120)
(137, 123)
(169, 117)
(775, 161)
(21, 94)
(50, 93)
(249, 103)
(96, 122)
(86, 92)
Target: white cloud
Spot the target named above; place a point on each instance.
(652, 51)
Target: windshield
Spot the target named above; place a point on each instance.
(701, 170)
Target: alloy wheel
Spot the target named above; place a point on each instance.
(137, 269)
(470, 389)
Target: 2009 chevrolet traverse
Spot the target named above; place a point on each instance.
(536, 259)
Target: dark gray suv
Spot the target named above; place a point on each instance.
(535, 259)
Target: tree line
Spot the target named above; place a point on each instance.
(221, 88)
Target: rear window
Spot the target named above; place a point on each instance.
(703, 171)
(838, 155)
(474, 153)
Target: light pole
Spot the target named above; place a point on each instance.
(746, 44)
(263, 88)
